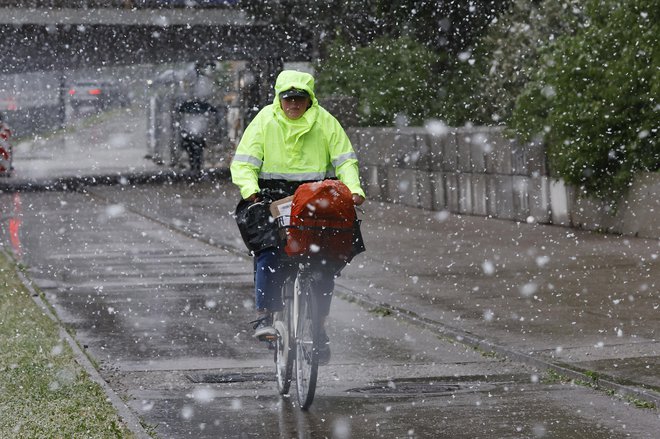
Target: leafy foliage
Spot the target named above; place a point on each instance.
(484, 81)
(409, 41)
(594, 99)
(579, 74)
(391, 78)
(439, 25)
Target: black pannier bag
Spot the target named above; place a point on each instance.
(358, 241)
(258, 228)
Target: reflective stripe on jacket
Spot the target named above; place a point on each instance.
(313, 147)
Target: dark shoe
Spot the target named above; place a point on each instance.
(263, 328)
(324, 349)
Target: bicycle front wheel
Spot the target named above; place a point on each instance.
(307, 342)
(284, 355)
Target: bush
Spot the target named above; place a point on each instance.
(392, 79)
(594, 98)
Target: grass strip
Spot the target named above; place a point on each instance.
(43, 390)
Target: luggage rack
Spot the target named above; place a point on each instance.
(284, 223)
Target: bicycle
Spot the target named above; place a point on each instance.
(318, 233)
(298, 328)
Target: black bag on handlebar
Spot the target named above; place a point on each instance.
(258, 228)
(358, 242)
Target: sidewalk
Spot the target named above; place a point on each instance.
(585, 304)
(543, 294)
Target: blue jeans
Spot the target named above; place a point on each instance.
(271, 270)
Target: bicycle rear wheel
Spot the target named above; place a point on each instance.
(307, 341)
(284, 355)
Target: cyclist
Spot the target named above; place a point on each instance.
(289, 142)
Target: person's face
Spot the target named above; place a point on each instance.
(295, 107)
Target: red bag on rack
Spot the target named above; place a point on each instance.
(322, 221)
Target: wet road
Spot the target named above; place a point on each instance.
(160, 297)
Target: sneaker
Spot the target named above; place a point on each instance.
(324, 349)
(263, 328)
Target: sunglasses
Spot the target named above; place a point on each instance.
(295, 98)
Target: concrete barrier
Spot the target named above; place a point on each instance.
(640, 215)
(481, 171)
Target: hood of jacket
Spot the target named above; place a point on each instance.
(294, 129)
(288, 79)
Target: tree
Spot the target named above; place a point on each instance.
(594, 100)
(391, 78)
(483, 82)
(442, 26)
(439, 29)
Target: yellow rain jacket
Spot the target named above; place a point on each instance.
(313, 147)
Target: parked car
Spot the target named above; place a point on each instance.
(98, 94)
